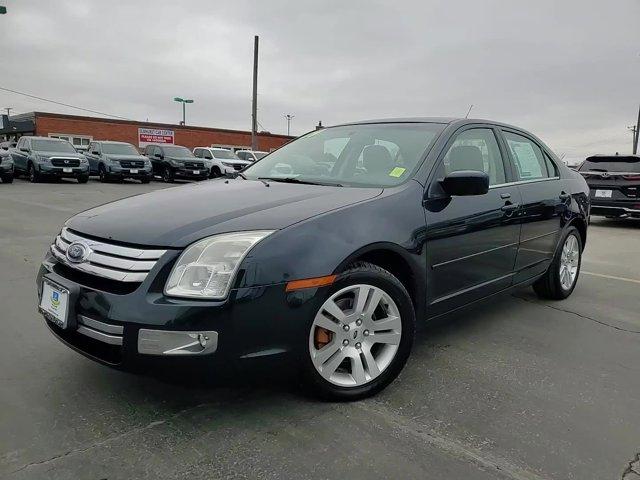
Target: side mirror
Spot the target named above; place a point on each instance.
(157, 155)
(95, 153)
(24, 149)
(465, 182)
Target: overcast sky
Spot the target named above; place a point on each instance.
(567, 70)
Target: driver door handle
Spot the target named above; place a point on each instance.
(509, 207)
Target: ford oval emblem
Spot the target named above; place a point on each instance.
(77, 252)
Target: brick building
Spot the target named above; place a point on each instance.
(81, 130)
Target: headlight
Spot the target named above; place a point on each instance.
(175, 163)
(227, 164)
(83, 160)
(207, 267)
(42, 158)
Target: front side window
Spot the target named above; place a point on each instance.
(352, 155)
(475, 149)
(527, 156)
(53, 146)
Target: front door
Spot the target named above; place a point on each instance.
(471, 241)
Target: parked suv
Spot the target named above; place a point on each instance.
(43, 157)
(174, 161)
(251, 155)
(328, 270)
(614, 184)
(220, 160)
(117, 161)
(6, 166)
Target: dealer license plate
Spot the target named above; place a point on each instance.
(196, 172)
(133, 170)
(55, 303)
(67, 170)
(603, 193)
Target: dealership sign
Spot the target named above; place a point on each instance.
(155, 135)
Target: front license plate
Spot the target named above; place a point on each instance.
(134, 170)
(603, 193)
(196, 172)
(55, 303)
(67, 170)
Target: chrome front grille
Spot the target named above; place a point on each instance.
(106, 260)
(104, 332)
(65, 162)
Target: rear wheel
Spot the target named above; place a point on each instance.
(561, 277)
(33, 174)
(361, 336)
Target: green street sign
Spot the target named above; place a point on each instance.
(3, 10)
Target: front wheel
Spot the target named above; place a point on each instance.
(83, 178)
(167, 175)
(34, 175)
(561, 277)
(361, 336)
(8, 178)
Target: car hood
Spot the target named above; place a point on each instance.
(58, 154)
(176, 217)
(184, 159)
(118, 157)
(232, 161)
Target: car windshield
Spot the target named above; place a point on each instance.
(224, 154)
(358, 155)
(177, 151)
(119, 149)
(52, 146)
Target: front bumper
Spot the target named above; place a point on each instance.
(252, 323)
(119, 172)
(59, 172)
(184, 173)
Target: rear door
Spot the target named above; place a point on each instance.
(545, 200)
(472, 241)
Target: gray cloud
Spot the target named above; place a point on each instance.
(569, 71)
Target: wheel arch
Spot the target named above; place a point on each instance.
(397, 261)
(581, 225)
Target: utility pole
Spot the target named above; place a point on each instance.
(8, 109)
(636, 134)
(289, 117)
(254, 103)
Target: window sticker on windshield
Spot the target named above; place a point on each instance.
(397, 172)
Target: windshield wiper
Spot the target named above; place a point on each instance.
(297, 180)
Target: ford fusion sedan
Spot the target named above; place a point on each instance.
(376, 226)
(614, 183)
(221, 161)
(173, 162)
(117, 161)
(41, 157)
(6, 166)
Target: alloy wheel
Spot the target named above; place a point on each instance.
(569, 262)
(355, 335)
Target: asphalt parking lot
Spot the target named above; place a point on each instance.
(516, 388)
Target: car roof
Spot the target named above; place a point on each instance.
(112, 142)
(46, 138)
(441, 120)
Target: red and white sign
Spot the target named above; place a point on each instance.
(155, 135)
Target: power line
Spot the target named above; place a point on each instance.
(63, 104)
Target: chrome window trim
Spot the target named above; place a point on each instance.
(523, 182)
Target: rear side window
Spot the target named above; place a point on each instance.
(551, 166)
(476, 149)
(527, 156)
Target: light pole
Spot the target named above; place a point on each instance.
(184, 101)
(289, 117)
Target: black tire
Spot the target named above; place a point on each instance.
(102, 173)
(167, 175)
(549, 286)
(33, 174)
(83, 178)
(215, 172)
(369, 274)
(8, 178)
(145, 180)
